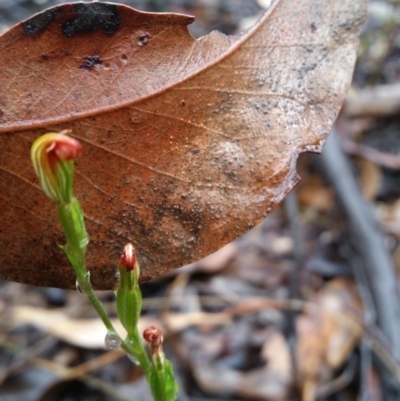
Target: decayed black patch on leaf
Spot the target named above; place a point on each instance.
(90, 17)
(40, 22)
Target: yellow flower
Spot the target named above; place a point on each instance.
(51, 156)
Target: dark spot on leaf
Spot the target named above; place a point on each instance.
(313, 27)
(90, 17)
(144, 38)
(40, 22)
(89, 62)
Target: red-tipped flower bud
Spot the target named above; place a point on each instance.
(161, 376)
(51, 156)
(128, 258)
(129, 297)
(154, 337)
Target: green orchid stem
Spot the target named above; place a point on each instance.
(86, 287)
(136, 349)
(133, 344)
(52, 157)
(128, 299)
(72, 221)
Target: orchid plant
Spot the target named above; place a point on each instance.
(52, 157)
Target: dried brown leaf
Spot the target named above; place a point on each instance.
(187, 144)
(270, 382)
(327, 337)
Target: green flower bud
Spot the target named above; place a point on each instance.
(129, 297)
(161, 376)
(154, 337)
(128, 263)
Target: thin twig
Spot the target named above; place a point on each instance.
(380, 100)
(375, 156)
(368, 241)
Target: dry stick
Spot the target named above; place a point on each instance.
(369, 321)
(380, 100)
(339, 383)
(375, 156)
(292, 212)
(368, 241)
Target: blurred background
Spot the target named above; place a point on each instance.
(303, 307)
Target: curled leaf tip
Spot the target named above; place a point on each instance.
(51, 156)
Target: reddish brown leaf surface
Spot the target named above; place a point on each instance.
(187, 144)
